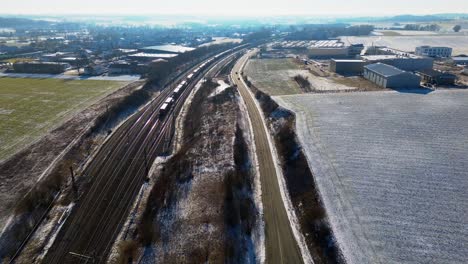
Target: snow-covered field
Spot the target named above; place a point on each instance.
(392, 169)
(459, 43)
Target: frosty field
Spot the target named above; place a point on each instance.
(392, 170)
(459, 43)
(31, 107)
(274, 76)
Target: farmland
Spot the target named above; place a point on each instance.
(459, 43)
(29, 108)
(274, 76)
(392, 170)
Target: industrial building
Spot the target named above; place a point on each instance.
(120, 67)
(388, 76)
(56, 57)
(147, 57)
(174, 49)
(322, 49)
(328, 49)
(347, 67)
(355, 50)
(406, 62)
(434, 77)
(460, 60)
(94, 70)
(436, 52)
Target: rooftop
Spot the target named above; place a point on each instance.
(434, 73)
(460, 58)
(348, 60)
(153, 55)
(169, 48)
(384, 69)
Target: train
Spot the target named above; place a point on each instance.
(169, 102)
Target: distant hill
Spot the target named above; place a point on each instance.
(406, 18)
(15, 22)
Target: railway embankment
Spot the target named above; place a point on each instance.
(202, 206)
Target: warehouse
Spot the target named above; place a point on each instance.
(388, 76)
(434, 77)
(347, 67)
(404, 62)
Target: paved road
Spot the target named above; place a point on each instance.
(281, 245)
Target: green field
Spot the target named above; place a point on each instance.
(274, 76)
(29, 108)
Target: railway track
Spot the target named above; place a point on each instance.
(117, 172)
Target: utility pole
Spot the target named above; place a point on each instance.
(146, 162)
(75, 189)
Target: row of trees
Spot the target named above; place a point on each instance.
(416, 27)
(431, 27)
(331, 31)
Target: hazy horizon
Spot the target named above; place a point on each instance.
(242, 8)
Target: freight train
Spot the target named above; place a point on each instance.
(179, 90)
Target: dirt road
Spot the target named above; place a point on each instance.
(281, 245)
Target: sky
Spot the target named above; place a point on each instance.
(234, 8)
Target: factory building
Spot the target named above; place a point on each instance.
(406, 62)
(322, 49)
(460, 60)
(147, 57)
(435, 52)
(434, 77)
(334, 48)
(388, 76)
(347, 67)
(173, 49)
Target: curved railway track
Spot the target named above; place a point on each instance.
(117, 172)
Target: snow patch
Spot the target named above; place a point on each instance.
(221, 87)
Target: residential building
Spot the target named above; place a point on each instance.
(388, 76)
(436, 52)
